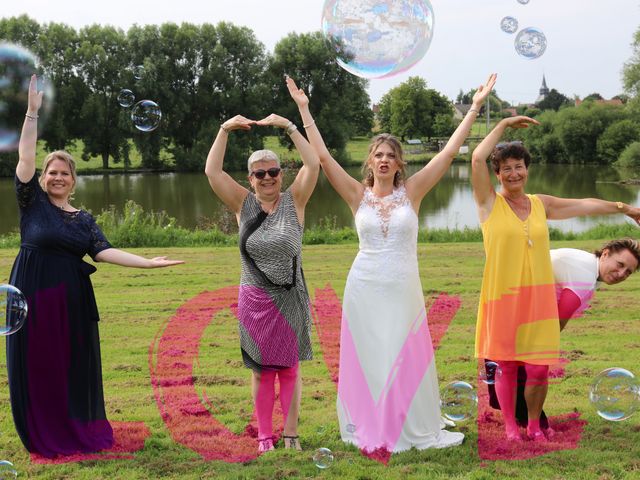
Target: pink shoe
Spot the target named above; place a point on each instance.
(265, 445)
(536, 436)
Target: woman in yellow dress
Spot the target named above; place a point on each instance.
(518, 316)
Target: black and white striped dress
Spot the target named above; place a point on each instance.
(273, 303)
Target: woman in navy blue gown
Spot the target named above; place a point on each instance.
(55, 377)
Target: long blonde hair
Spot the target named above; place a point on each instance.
(395, 144)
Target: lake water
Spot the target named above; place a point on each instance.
(188, 197)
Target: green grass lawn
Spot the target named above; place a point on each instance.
(135, 306)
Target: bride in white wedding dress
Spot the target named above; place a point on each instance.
(388, 394)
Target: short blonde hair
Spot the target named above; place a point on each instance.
(66, 158)
(619, 245)
(260, 155)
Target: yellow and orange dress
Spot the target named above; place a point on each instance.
(517, 315)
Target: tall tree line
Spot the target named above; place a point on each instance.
(200, 75)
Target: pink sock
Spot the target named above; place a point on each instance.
(506, 383)
(288, 378)
(265, 398)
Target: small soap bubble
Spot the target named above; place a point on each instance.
(615, 394)
(126, 98)
(458, 401)
(530, 43)
(509, 25)
(490, 372)
(323, 458)
(138, 72)
(146, 115)
(7, 470)
(351, 428)
(523, 2)
(13, 309)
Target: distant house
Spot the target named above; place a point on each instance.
(613, 101)
(511, 110)
(460, 110)
(414, 141)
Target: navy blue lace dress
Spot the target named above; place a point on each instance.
(55, 377)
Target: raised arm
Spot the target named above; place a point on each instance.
(305, 181)
(561, 208)
(225, 187)
(347, 187)
(483, 191)
(419, 184)
(26, 167)
(126, 259)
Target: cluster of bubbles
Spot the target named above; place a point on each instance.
(458, 401)
(13, 309)
(530, 42)
(615, 394)
(7, 470)
(375, 39)
(17, 65)
(146, 114)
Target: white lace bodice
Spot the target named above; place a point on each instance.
(387, 224)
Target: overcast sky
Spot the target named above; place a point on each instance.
(588, 40)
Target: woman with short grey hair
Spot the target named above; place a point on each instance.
(273, 302)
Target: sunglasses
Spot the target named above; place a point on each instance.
(260, 174)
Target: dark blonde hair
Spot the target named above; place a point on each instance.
(395, 144)
(619, 245)
(66, 158)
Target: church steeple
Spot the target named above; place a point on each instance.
(544, 90)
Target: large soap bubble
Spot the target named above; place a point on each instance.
(13, 309)
(126, 98)
(146, 115)
(7, 470)
(376, 39)
(458, 401)
(323, 458)
(615, 394)
(530, 43)
(17, 65)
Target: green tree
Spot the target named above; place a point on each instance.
(410, 109)
(338, 100)
(102, 55)
(630, 157)
(631, 69)
(553, 101)
(615, 138)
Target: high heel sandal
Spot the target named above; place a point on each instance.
(294, 442)
(265, 445)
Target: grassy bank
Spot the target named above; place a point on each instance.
(135, 306)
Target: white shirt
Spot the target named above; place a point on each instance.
(576, 270)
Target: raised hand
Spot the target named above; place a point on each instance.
(35, 97)
(296, 93)
(520, 122)
(238, 123)
(274, 120)
(484, 90)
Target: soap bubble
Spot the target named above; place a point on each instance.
(126, 98)
(323, 458)
(523, 2)
(376, 39)
(458, 401)
(146, 115)
(351, 428)
(7, 471)
(138, 72)
(17, 65)
(530, 43)
(13, 309)
(489, 373)
(615, 394)
(509, 25)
